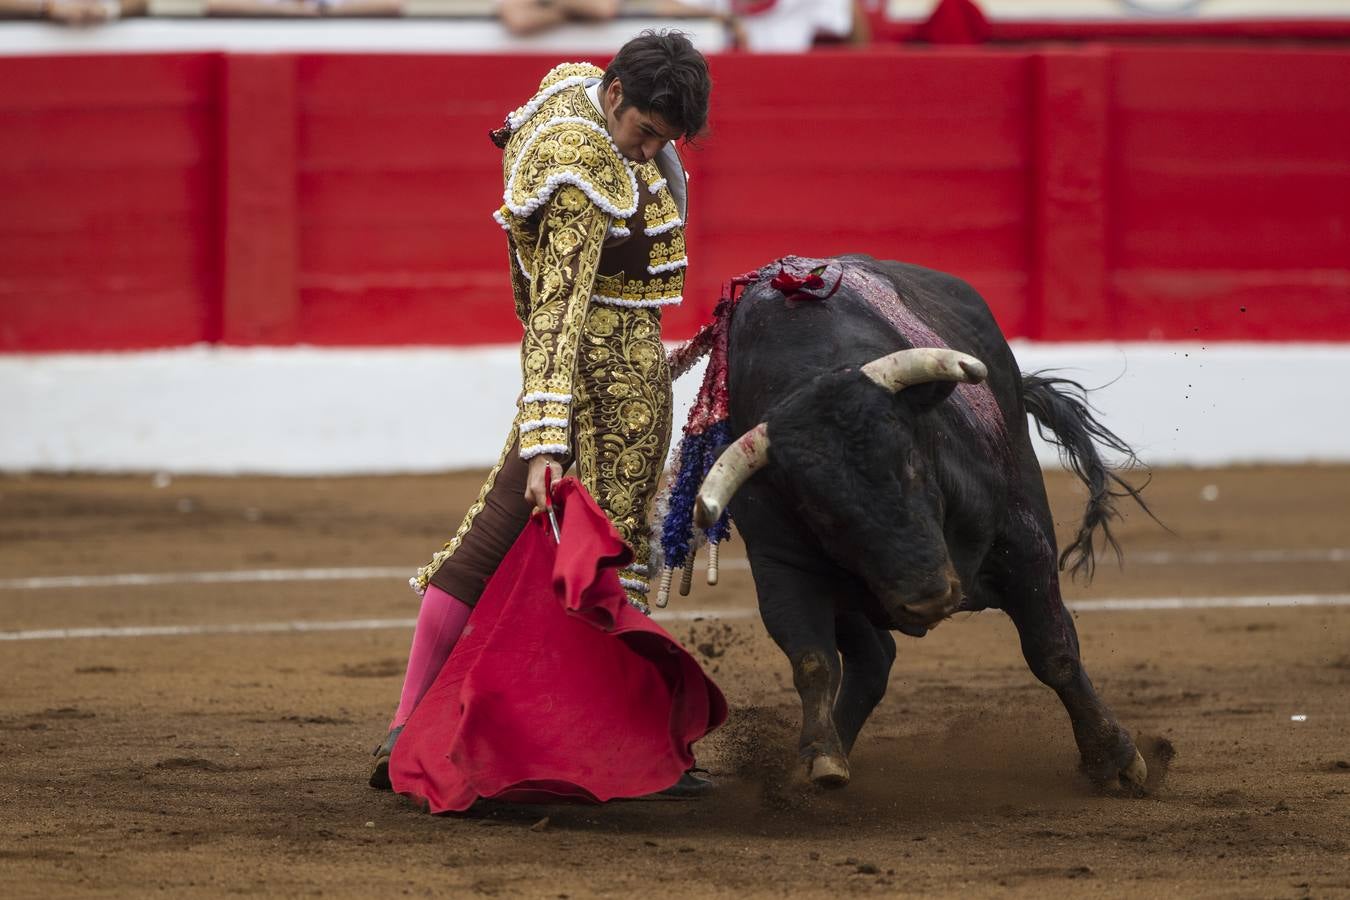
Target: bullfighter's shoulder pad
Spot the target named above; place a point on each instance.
(558, 80)
(564, 71)
(573, 150)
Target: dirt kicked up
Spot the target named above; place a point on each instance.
(183, 749)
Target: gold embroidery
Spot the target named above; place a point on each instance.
(633, 291)
(570, 238)
(623, 422)
(554, 76)
(569, 70)
(602, 321)
(668, 251)
(545, 167)
(661, 210)
(565, 143)
(609, 285)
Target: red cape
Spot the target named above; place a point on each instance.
(558, 689)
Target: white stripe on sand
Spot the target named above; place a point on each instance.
(1271, 602)
(1189, 557)
(149, 579)
(374, 573)
(1228, 557)
(1112, 605)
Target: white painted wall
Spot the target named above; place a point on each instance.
(308, 411)
(1211, 404)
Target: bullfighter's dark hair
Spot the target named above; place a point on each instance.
(663, 74)
(1063, 416)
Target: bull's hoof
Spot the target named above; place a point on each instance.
(1134, 777)
(829, 771)
(1111, 776)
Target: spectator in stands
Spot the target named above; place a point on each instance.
(362, 8)
(523, 17)
(529, 16)
(72, 12)
(793, 26)
(302, 8)
(279, 8)
(774, 26)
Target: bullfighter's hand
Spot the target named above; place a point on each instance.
(535, 493)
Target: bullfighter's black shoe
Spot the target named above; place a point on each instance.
(379, 776)
(694, 783)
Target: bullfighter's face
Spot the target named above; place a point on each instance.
(638, 135)
(847, 450)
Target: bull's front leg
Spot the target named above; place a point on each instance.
(798, 612)
(868, 654)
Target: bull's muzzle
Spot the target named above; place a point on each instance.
(939, 602)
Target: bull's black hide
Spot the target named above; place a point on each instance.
(880, 511)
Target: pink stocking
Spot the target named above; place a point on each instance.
(439, 623)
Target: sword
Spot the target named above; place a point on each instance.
(548, 503)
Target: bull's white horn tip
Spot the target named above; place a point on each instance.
(706, 512)
(975, 370)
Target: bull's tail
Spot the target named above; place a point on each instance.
(1064, 417)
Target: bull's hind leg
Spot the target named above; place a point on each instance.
(1050, 646)
(1028, 589)
(868, 654)
(798, 613)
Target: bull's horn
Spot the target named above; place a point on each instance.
(738, 462)
(903, 368)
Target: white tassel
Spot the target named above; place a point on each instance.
(663, 591)
(713, 553)
(687, 576)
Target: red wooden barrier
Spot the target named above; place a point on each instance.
(1069, 297)
(108, 201)
(1231, 192)
(1090, 192)
(260, 254)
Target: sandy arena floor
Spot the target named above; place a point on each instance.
(235, 763)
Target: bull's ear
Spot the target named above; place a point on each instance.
(923, 397)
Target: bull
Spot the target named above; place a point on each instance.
(885, 480)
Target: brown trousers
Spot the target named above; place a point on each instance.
(620, 436)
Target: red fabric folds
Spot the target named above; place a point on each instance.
(558, 689)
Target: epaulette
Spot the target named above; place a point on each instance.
(569, 70)
(559, 78)
(570, 150)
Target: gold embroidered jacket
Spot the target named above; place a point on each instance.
(568, 191)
